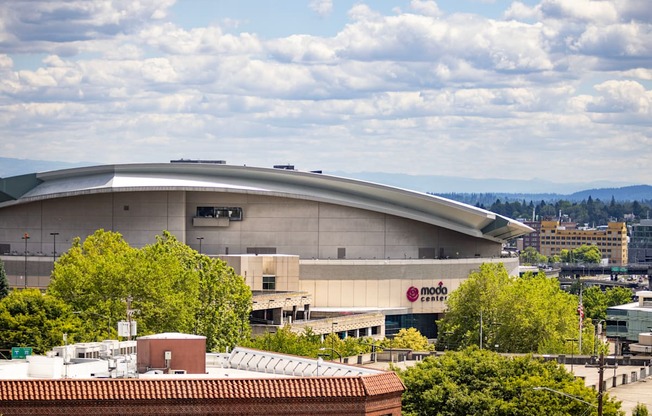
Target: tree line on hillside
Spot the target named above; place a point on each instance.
(588, 211)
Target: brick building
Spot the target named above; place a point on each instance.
(372, 395)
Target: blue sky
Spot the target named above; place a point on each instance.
(552, 89)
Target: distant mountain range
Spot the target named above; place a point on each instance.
(640, 193)
(14, 167)
(448, 186)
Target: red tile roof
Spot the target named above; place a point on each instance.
(135, 389)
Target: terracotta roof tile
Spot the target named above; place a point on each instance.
(134, 389)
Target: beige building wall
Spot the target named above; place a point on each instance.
(365, 284)
(384, 284)
(284, 268)
(319, 230)
(308, 229)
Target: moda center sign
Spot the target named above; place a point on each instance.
(437, 293)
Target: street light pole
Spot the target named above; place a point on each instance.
(333, 339)
(480, 328)
(200, 239)
(25, 237)
(54, 246)
(572, 340)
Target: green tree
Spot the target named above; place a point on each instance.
(29, 318)
(475, 382)
(4, 284)
(596, 301)
(169, 286)
(587, 254)
(520, 315)
(408, 338)
(584, 254)
(285, 341)
(640, 410)
(531, 256)
(308, 344)
(618, 296)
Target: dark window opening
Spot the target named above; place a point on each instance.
(261, 250)
(232, 213)
(269, 282)
(341, 253)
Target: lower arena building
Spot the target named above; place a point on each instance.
(347, 245)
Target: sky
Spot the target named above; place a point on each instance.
(552, 89)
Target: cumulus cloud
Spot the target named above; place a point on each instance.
(415, 91)
(620, 97)
(425, 7)
(323, 8)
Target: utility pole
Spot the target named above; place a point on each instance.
(600, 381)
(601, 366)
(581, 313)
(480, 328)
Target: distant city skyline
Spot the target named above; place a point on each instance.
(481, 89)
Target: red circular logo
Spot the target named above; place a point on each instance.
(412, 294)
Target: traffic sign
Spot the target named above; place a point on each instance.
(18, 353)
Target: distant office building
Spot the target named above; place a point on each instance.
(640, 243)
(532, 239)
(626, 322)
(611, 240)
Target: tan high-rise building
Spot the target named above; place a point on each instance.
(611, 240)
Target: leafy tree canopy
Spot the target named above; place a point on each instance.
(596, 301)
(4, 284)
(169, 286)
(530, 256)
(521, 315)
(584, 254)
(308, 344)
(480, 382)
(29, 318)
(408, 338)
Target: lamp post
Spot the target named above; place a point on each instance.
(54, 246)
(572, 340)
(332, 350)
(333, 324)
(25, 237)
(200, 239)
(598, 331)
(480, 328)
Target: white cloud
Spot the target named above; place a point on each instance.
(322, 7)
(425, 7)
(621, 97)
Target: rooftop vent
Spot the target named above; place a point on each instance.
(212, 162)
(286, 167)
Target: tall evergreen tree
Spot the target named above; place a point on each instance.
(4, 284)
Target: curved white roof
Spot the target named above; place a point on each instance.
(264, 181)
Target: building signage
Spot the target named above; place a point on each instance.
(428, 294)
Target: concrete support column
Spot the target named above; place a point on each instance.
(277, 316)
